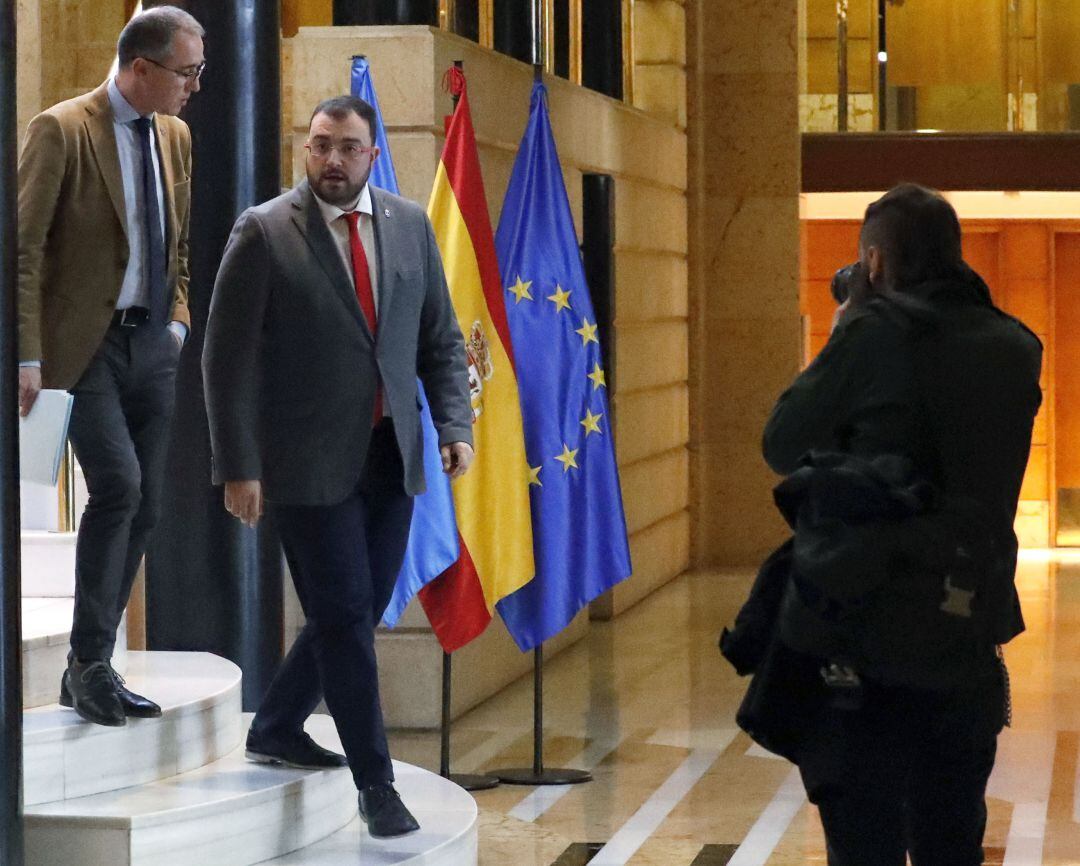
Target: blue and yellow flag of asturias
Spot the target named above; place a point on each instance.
(433, 535)
(579, 530)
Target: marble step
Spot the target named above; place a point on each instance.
(48, 564)
(447, 836)
(65, 757)
(46, 630)
(228, 813)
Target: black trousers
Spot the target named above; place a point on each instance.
(344, 560)
(908, 773)
(119, 430)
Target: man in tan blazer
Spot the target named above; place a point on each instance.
(104, 188)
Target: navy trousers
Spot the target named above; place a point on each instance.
(344, 560)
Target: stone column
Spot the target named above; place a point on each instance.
(11, 747)
(744, 180)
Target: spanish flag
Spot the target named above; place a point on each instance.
(492, 498)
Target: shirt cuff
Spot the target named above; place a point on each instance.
(30, 364)
(180, 329)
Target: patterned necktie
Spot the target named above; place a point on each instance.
(364, 293)
(154, 257)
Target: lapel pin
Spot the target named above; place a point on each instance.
(386, 213)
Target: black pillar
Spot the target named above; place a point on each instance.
(212, 584)
(601, 46)
(512, 28)
(11, 764)
(386, 12)
(598, 256)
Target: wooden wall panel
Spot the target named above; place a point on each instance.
(1067, 359)
(947, 42)
(982, 251)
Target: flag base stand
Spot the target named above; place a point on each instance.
(473, 781)
(533, 776)
(538, 774)
(468, 781)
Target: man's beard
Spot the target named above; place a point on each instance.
(336, 195)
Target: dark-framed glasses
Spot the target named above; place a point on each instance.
(349, 151)
(188, 74)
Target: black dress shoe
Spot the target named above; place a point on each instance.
(298, 751)
(90, 689)
(384, 813)
(135, 706)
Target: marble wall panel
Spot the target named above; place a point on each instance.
(661, 90)
(649, 217)
(28, 64)
(651, 285)
(745, 333)
(650, 355)
(751, 245)
(659, 33)
(651, 422)
(322, 62)
(655, 488)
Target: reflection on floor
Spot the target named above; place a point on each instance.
(647, 704)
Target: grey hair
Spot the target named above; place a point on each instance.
(150, 34)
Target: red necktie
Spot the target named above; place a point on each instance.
(364, 294)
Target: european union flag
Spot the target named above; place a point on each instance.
(433, 536)
(579, 531)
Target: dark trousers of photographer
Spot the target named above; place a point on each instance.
(906, 771)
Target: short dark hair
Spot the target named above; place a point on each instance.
(150, 34)
(918, 233)
(339, 107)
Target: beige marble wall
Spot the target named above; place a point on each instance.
(78, 44)
(744, 164)
(660, 59)
(646, 153)
(28, 64)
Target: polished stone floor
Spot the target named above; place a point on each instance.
(647, 704)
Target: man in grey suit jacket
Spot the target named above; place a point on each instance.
(329, 302)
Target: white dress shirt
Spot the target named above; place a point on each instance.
(339, 231)
(133, 291)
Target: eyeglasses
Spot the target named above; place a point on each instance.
(188, 74)
(349, 151)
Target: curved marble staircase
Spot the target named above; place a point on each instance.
(176, 791)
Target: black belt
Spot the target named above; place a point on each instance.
(131, 317)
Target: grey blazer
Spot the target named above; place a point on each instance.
(289, 363)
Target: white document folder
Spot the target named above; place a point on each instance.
(42, 435)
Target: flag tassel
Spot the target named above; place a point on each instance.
(537, 774)
(468, 781)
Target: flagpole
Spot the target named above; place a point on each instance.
(538, 774)
(468, 781)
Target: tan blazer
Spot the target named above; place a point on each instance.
(73, 247)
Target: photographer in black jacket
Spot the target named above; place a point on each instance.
(921, 366)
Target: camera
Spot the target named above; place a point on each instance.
(850, 283)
